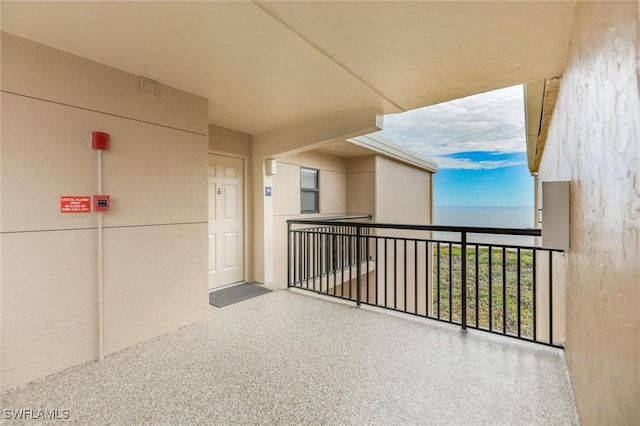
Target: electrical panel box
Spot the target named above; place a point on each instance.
(101, 203)
(555, 215)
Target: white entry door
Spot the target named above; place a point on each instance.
(226, 237)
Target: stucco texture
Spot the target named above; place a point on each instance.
(403, 193)
(286, 198)
(361, 185)
(594, 142)
(155, 253)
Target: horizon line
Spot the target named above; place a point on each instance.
(486, 205)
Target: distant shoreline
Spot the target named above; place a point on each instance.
(480, 207)
(488, 216)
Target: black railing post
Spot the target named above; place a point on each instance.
(358, 262)
(463, 279)
(550, 297)
(288, 255)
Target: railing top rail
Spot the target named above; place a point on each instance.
(332, 219)
(531, 232)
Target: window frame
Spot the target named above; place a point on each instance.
(315, 191)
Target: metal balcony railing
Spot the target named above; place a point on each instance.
(447, 273)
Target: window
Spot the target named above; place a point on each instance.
(309, 191)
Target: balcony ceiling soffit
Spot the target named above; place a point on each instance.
(268, 65)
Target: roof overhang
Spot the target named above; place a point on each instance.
(344, 149)
(386, 148)
(371, 144)
(540, 100)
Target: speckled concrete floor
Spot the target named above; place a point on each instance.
(287, 358)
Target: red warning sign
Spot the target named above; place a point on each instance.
(75, 204)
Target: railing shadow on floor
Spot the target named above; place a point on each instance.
(480, 278)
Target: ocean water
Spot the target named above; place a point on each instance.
(493, 216)
(487, 216)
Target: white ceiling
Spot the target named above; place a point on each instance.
(269, 65)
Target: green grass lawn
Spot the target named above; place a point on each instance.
(479, 302)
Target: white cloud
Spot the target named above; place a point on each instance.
(492, 121)
(466, 163)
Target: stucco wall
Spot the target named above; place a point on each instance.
(403, 193)
(155, 244)
(594, 142)
(361, 185)
(302, 137)
(286, 198)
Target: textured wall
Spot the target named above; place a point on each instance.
(230, 142)
(403, 193)
(155, 249)
(286, 198)
(594, 141)
(361, 185)
(303, 137)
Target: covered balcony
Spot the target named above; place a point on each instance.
(258, 81)
(291, 358)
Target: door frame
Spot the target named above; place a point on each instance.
(245, 213)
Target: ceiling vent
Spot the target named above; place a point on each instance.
(149, 87)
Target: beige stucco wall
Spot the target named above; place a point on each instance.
(403, 193)
(361, 185)
(286, 198)
(594, 142)
(230, 142)
(155, 244)
(302, 137)
(366, 185)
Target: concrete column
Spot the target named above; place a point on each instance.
(263, 223)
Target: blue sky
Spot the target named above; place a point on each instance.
(479, 144)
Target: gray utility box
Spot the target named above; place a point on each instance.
(555, 215)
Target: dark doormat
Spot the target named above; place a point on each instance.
(235, 294)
